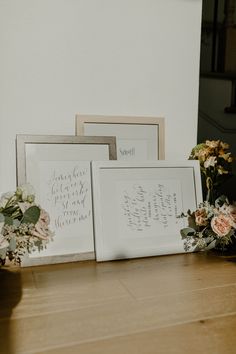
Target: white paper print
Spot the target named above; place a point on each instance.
(65, 189)
(134, 141)
(131, 149)
(68, 195)
(150, 208)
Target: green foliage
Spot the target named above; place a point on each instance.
(16, 223)
(12, 244)
(2, 217)
(3, 252)
(31, 215)
(187, 231)
(8, 220)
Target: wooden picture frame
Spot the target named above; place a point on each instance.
(136, 206)
(137, 138)
(59, 168)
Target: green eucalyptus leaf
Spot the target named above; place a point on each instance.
(31, 215)
(2, 218)
(8, 220)
(16, 223)
(211, 245)
(221, 200)
(12, 244)
(10, 210)
(187, 231)
(3, 253)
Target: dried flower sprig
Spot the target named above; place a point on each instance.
(215, 163)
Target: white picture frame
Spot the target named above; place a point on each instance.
(137, 138)
(59, 169)
(136, 206)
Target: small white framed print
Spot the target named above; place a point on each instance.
(137, 206)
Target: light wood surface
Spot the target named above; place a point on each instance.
(171, 304)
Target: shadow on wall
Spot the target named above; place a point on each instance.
(215, 94)
(10, 295)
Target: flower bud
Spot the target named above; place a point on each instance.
(30, 198)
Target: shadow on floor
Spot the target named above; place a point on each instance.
(10, 295)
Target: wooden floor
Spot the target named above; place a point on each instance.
(172, 304)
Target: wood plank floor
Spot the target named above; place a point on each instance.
(171, 304)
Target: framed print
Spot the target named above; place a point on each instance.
(137, 206)
(58, 167)
(137, 138)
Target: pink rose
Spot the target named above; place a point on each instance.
(221, 224)
(201, 217)
(41, 228)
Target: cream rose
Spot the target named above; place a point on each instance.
(221, 224)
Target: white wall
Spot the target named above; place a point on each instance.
(118, 57)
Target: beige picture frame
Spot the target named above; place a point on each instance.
(148, 133)
(59, 169)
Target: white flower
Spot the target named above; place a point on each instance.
(201, 243)
(26, 191)
(211, 161)
(230, 210)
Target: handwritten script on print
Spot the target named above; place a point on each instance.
(149, 208)
(65, 189)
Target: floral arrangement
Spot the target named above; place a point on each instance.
(215, 163)
(24, 226)
(210, 226)
(213, 224)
